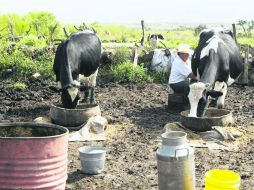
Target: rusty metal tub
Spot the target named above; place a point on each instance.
(33, 156)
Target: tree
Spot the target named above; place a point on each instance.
(199, 28)
(247, 27)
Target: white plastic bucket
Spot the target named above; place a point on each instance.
(92, 159)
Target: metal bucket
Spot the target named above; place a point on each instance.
(33, 156)
(175, 162)
(92, 159)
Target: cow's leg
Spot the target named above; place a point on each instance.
(85, 90)
(221, 87)
(213, 102)
(87, 95)
(90, 83)
(92, 98)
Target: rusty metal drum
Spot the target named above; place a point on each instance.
(33, 156)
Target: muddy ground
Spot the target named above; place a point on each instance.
(137, 115)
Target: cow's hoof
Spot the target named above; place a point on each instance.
(85, 101)
(220, 106)
(213, 103)
(92, 102)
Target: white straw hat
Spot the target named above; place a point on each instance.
(184, 48)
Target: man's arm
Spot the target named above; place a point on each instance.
(192, 76)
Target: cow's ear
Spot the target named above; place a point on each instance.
(160, 37)
(149, 37)
(214, 93)
(229, 32)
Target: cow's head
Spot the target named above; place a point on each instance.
(198, 98)
(70, 95)
(154, 38)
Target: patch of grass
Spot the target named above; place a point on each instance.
(18, 85)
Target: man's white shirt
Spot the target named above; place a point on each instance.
(179, 71)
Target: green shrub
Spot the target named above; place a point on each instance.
(32, 40)
(126, 72)
(44, 64)
(122, 55)
(27, 62)
(160, 77)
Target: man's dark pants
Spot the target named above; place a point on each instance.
(182, 88)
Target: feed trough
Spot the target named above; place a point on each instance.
(73, 118)
(212, 117)
(33, 156)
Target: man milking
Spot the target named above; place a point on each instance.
(181, 73)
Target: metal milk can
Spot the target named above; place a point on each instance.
(175, 162)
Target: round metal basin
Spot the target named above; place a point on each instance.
(212, 117)
(72, 118)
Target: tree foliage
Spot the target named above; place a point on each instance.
(247, 27)
(199, 28)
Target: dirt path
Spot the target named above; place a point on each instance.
(137, 115)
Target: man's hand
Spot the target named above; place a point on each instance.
(192, 76)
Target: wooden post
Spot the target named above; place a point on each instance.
(138, 48)
(234, 32)
(245, 79)
(135, 59)
(244, 76)
(143, 33)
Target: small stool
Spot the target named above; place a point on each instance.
(176, 101)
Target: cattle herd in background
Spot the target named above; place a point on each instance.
(216, 62)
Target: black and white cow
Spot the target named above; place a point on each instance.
(78, 55)
(216, 62)
(154, 39)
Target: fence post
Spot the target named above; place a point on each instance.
(245, 79)
(138, 48)
(234, 32)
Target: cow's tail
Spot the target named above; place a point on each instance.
(66, 71)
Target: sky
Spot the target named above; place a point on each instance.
(121, 11)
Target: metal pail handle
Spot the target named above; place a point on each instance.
(188, 151)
